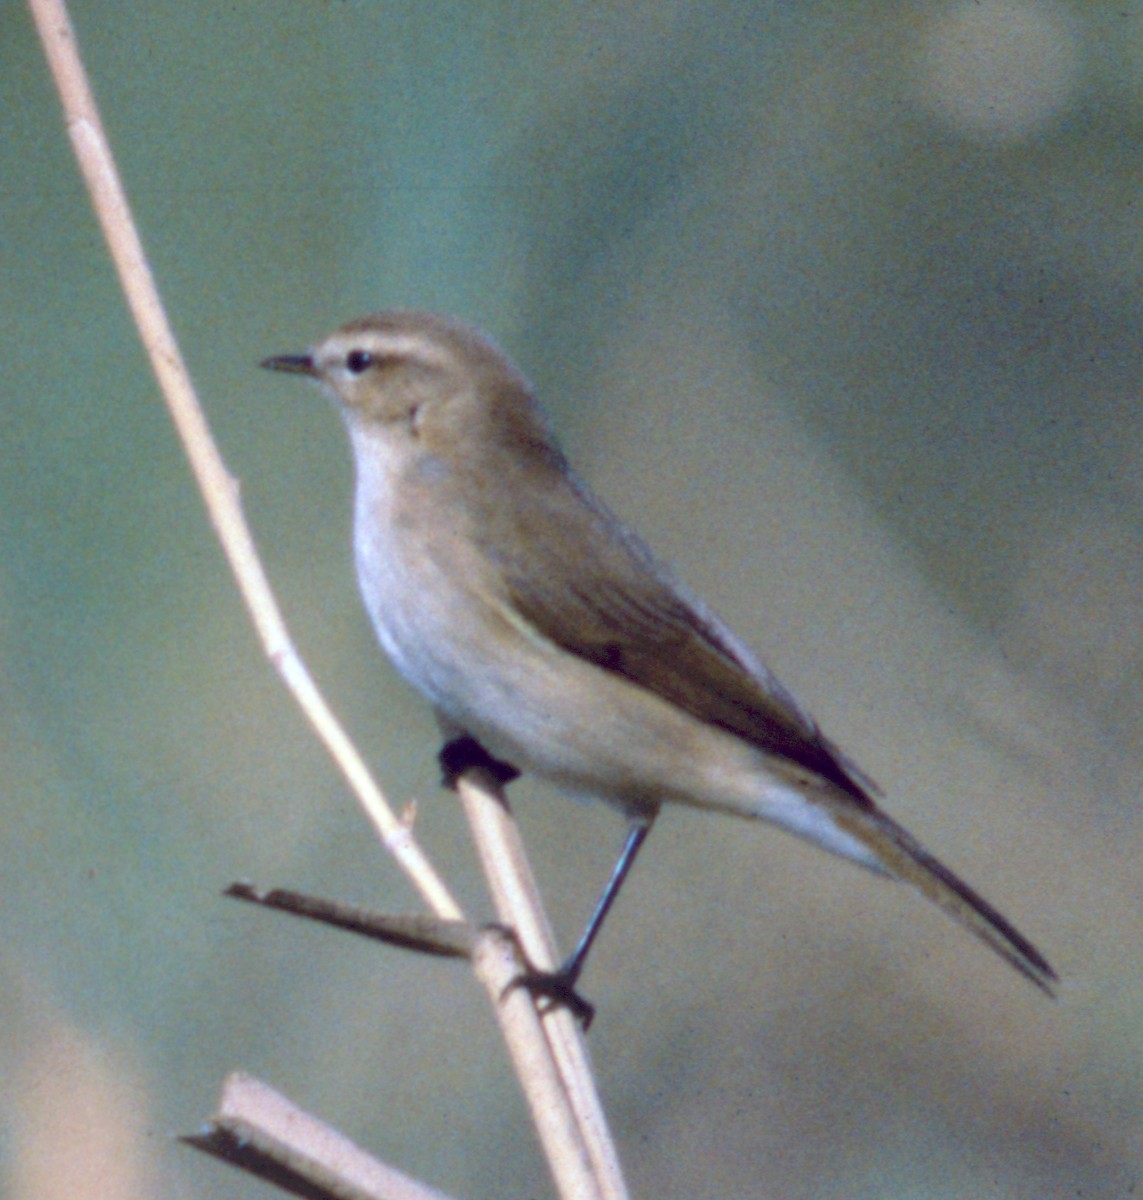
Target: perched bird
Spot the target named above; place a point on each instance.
(537, 624)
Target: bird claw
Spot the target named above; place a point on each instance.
(463, 753)
(554, 989)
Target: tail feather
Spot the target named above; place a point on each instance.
(906, 859)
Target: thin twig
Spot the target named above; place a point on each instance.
(496, 964)
(260, 1131)
(219, 489)
(420, 932)
(518, 905)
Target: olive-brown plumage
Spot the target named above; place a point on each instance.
(538, 624)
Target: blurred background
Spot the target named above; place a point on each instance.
(841, 305)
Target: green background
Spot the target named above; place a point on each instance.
(841, 306)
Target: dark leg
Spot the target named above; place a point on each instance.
(636, 836)
(559, 986)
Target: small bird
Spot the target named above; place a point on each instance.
(547, 636)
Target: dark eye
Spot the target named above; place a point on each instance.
(358, 361)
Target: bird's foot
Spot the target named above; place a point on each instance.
(556, 989)
(465, 752)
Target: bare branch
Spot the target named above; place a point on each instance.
(519, 906)
(561, 1122)
(218, 487)
(421, 932)
(258, 1130)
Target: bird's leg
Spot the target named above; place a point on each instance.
(559, 986)
(636, 835)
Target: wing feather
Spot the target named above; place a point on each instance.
(626, 613)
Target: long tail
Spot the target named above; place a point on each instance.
(906, 859)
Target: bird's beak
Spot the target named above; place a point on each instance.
(295, 364)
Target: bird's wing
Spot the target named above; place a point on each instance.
(621, 610)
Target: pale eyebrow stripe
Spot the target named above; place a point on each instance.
(399, 345)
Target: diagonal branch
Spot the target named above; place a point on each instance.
(260, 1131)
(561, 1123)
